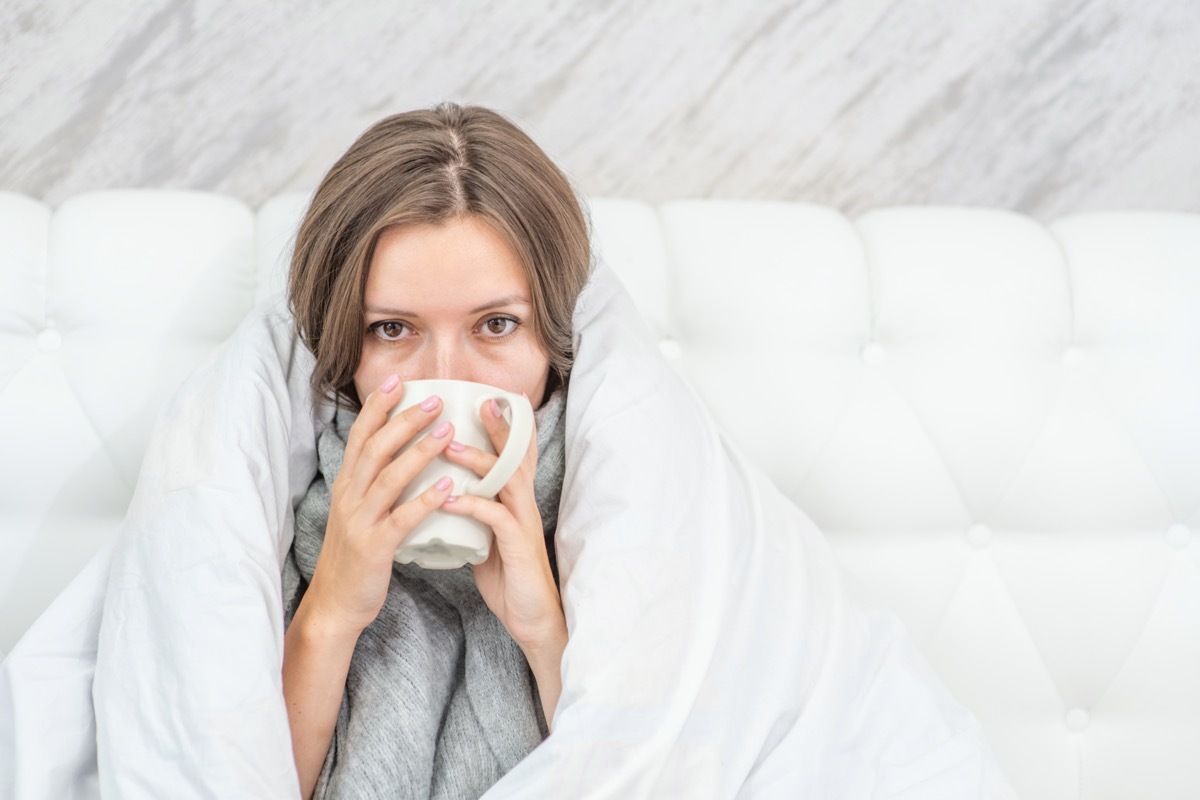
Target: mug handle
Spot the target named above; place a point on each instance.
(515, 448)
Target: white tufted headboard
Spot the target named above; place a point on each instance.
(996, 423)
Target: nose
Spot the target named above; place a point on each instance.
(445, 360)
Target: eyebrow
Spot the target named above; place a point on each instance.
(508, 300)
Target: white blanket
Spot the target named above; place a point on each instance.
(714, 649)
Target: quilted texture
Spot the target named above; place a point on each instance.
(996, 422)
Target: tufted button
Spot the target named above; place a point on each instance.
(670, 349)
(1072, 357)
(1077, 720)
(873, 353)
(979, 535)
(1179, 536)
(49, 340)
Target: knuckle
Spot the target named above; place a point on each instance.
(401, 520)
(389, 480)
(407, 515)
(356, 439)
(431, 445)
(413, 415)
(372, 448)
(405, 425)
(380, 398)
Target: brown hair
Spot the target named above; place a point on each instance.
(430, 166)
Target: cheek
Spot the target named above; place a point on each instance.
(536, 375)
(372, 371)
(520, 369)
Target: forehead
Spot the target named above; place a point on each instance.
(457, 264)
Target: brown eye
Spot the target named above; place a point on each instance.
(389, 330)
(500, 326)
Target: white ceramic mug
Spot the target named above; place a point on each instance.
(444, 540)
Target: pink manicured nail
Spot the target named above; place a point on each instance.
(449, 499)
(390, 383)
(495, 409)
(429, 403)
(457, 446)
(441, 430)
(443, 484)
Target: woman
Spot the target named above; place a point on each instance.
(443, 244)
(715, 647)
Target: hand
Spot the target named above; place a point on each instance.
(515, 581)
(350, 582)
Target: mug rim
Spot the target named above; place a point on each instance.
(405, 384)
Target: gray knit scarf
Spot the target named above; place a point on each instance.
(439, 701)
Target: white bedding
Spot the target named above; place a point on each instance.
(714, 649)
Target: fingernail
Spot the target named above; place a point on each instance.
(495, 409)
(390, 383)
(441, 430)
(444, 483)
(429, 403)
(457, 446)
(449, 499)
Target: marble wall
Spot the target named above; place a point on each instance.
(1041, 106)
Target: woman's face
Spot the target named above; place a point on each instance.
(449, 301)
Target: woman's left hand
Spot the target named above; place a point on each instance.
(515, 581)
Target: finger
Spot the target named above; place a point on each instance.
(481, 462)
(489, 512)
(495, 424)
(517, 495)
(409, 515)
(371, 418)
(378, 451)
(498, 429)
(516, 542)
(478, 461)
(527, 469)
(390, 483)
(531, 453)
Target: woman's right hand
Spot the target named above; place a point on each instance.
(353, 571)
(354, 568)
